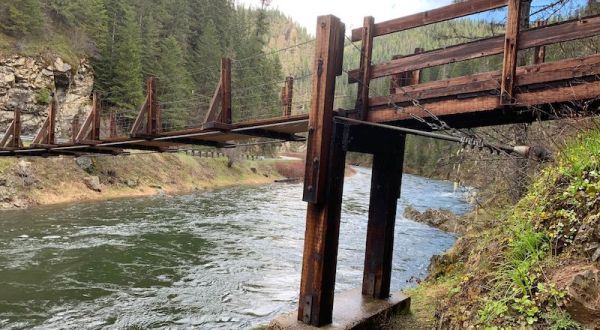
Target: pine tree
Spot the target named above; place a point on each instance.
(21, 17)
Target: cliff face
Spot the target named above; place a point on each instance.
(27, 84)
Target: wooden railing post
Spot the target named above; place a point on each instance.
(364, 79)
(75, 128)
(324, 179)
(153, 125)
(113, 124)
(225, 117)
(539, 53)
(511, 49)
(405, 78)
(287, 96)
(51, 137)
(16, 141)
(96, 110)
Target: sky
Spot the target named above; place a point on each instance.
(350, 12)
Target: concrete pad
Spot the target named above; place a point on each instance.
(351, 310)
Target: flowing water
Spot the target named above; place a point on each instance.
(222, 259)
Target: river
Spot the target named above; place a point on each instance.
(229, 258)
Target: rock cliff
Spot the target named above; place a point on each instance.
(27, 84)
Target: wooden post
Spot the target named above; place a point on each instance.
(113, 124)
(364, 79)
(225, 117)
(405, 78)
(287, 95)
(51, 136)
(324, 179)
(74, 129)
(96, 110)
(16, 141)
(511, 48)
(539, 53)
(153, 125)
(385, 191)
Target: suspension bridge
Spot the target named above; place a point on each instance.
(377, 124)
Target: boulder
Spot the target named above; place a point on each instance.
(582, 284)
(93, 183)
(85, 163)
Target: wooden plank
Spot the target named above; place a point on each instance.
(225, 116)
(213, 108)
(7, 136)
(364, 78)
(585, 91)
(41, 136)
(511, 48)
(540, 36)
(323, 186)
(446, 13)
(386, 181)
(138, 124)
(490, 81)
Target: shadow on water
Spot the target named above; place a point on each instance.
(223, 259)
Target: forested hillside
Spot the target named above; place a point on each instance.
(181, 42)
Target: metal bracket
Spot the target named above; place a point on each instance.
(307, 310)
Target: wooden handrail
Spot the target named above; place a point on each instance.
(446, 13)
(540, 36)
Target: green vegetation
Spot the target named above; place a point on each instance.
(43, 96)
(503, 268)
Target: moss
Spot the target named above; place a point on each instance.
(43, 96)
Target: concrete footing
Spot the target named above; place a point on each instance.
(351, 310)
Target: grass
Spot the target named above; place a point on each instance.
(6, 163)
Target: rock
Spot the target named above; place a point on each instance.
(131, 183)
(61, 66)
(596, 255)
(93, 183)
(85, 163)
(442, 219)
(23, 169)
(582, 284)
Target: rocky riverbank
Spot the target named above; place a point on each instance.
(38, 181)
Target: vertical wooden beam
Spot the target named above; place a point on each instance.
(287, 96)
(322, 239)
(511, 48)
(113, 124)
(385, 191)
(324, 179)
(405, 78)
(96, 110)
(364, 79)
(539, 53)
(153, 125)
(75, 129)
(226, 91)
(51, 135)
(16, 141)
(415, 75)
